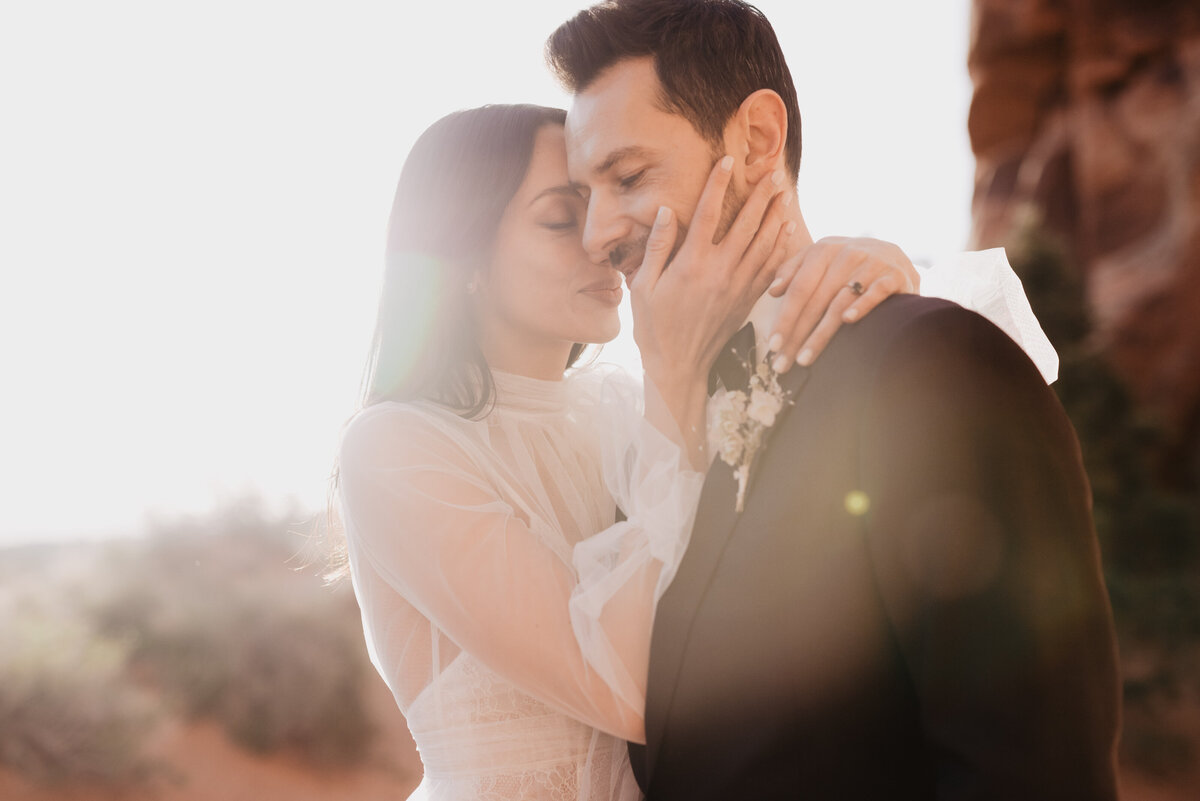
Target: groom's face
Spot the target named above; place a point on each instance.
(628, 156)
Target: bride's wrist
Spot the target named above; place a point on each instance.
(676, 404)
(674, 376)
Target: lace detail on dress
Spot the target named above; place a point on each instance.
(480, 737)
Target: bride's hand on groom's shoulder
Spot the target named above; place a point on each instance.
(833, 281)
(690, 297)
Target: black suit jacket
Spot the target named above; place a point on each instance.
(911, 604)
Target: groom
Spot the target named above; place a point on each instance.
(910, 605)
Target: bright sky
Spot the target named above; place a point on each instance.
(193, 197)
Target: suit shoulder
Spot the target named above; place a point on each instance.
(898, 312)
(895, 320)
(940, 346)
(930, 336)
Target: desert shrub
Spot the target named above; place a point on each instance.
(66, 712)
(295, 682)
(220, 621)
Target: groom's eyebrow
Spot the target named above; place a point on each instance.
(620, 154)
(612, 160)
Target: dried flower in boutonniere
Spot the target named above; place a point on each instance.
(741, 419)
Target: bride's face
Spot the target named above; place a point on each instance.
(540, 284)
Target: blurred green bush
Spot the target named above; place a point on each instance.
(1149, 528)
(224, 621)
(208, 618)
(66, 712)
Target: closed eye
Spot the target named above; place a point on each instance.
(631, 180)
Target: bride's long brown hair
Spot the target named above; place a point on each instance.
(454, 187)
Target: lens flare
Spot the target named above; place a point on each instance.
(857, 503)
(414, 289)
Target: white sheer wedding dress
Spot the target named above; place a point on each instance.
(461, 537)
(506, 610)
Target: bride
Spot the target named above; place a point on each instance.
(484, 463)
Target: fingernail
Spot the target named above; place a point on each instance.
(664, 217)
(727, 163)
(805, 358)
(787, 201)
(778, 282)
(780, 365)
(851, 315)
(790, 228)
(774, 343)
(777, 177)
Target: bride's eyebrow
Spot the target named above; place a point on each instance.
(569, 191)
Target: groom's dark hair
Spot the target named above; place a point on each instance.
(710, 55)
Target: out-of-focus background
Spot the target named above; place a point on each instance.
(192, 202)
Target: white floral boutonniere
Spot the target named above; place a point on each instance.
(741, 419)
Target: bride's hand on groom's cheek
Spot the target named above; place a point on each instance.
(688, 298)
(835, 280)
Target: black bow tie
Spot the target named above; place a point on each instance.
(736, 361)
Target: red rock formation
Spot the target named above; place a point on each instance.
(1088, 111)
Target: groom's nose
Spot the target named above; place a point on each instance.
(604, 228)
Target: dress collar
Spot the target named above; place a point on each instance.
(520, 393)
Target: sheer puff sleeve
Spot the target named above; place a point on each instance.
(419, 508)
(625, 569)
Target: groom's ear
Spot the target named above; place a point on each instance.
(759, 131)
